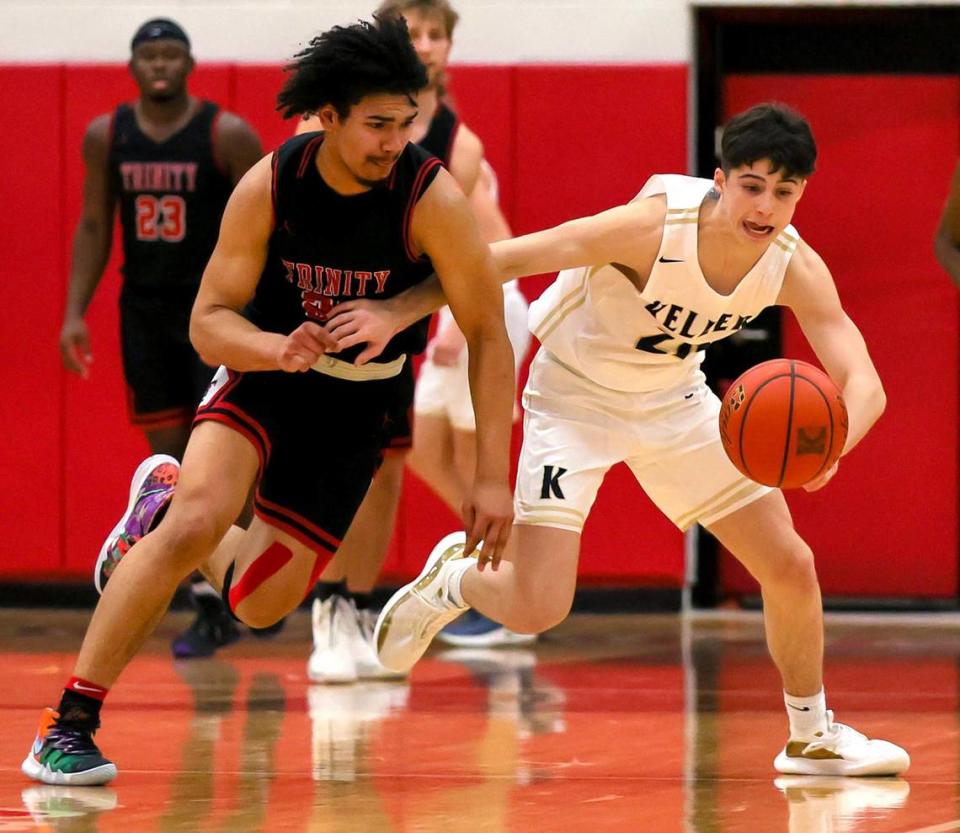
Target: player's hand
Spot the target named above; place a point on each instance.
(75, 347)
(363, 322)
(488, 516)
(301, 349)
(445, 348)
(823, 479)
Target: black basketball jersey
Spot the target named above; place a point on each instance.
(327, 247)
(441, 133)
(172, 195)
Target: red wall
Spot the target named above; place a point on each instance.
(887, 523)
(565, 141)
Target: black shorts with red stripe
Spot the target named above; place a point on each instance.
(319, 439)
(165, 376)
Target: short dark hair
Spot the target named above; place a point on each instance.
(346, 63)
(769, 131)
(440, 8)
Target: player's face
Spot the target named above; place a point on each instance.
(429, 37)
(160, 68)
(759, 201)
(372, 136)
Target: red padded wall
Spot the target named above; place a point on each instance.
(30, 381)
(887, 524)
(552, 166)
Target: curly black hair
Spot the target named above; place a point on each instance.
(769, 131)
(346, 63)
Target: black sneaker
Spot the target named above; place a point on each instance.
(65, 755)
(213, 629)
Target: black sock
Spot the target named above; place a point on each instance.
(323, 590)
(363, 601)
(78, 711)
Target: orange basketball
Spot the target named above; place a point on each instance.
(783, 423)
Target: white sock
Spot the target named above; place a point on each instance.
(457, 569)
(808, 715)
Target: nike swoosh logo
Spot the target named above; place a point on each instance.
(80, 687)
(799, 708)
(671, 260)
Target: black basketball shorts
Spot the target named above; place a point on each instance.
(165, 377)
(319, 439)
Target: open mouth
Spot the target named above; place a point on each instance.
(757, 231)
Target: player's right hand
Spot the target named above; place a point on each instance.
(301, 349)
(488, 516)
(75, 347)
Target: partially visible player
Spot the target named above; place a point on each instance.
(946, 243)
(443, 436)
(354, 211)
(647, 287)
(169, 161)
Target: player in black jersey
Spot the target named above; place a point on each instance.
(355, 212)
(169, 161)
(342, 615)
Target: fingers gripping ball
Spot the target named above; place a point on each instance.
(783, 423)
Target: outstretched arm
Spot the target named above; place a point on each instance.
(809, 291)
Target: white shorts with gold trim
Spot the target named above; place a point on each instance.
(575, 430)
(445, 391)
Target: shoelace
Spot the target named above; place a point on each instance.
(72, 741)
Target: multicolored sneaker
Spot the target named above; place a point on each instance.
(474, 630)
(418, 610)
(150, 490)
(64, 755)
(841, 750)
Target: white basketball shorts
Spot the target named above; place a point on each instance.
(574, 430)
(445, 391)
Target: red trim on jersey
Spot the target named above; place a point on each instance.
(232, 378)
(415, 194)
(239, 425)
(322, 536)
(308, 153)
(315, 545)
(213, 142)
(274, 161)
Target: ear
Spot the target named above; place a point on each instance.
(329, 117)
(801, 189)
(719, 179)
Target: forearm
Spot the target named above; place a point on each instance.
(222, 336)
(865, 401)
(492, 384)
(91, 251)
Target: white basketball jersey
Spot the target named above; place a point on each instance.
(595, 321)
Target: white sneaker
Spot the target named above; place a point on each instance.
(414, 614)
(841, 750)
(834, 804)
(335, 632)
(368, 664)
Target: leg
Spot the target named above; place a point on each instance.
(761, 536)
(433, 460)
(218, 468)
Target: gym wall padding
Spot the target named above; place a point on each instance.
(887, 524)
(565, 141)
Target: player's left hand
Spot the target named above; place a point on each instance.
(823, 479)
(488, 516)
(363, 322)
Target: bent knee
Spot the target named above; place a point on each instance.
(540, 617)
(190, 532)
(793, 565)
(259, 616)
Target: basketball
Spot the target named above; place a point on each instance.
(783, 423)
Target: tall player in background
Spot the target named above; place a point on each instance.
(444, 434)
(170, 161)
(647, 287)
